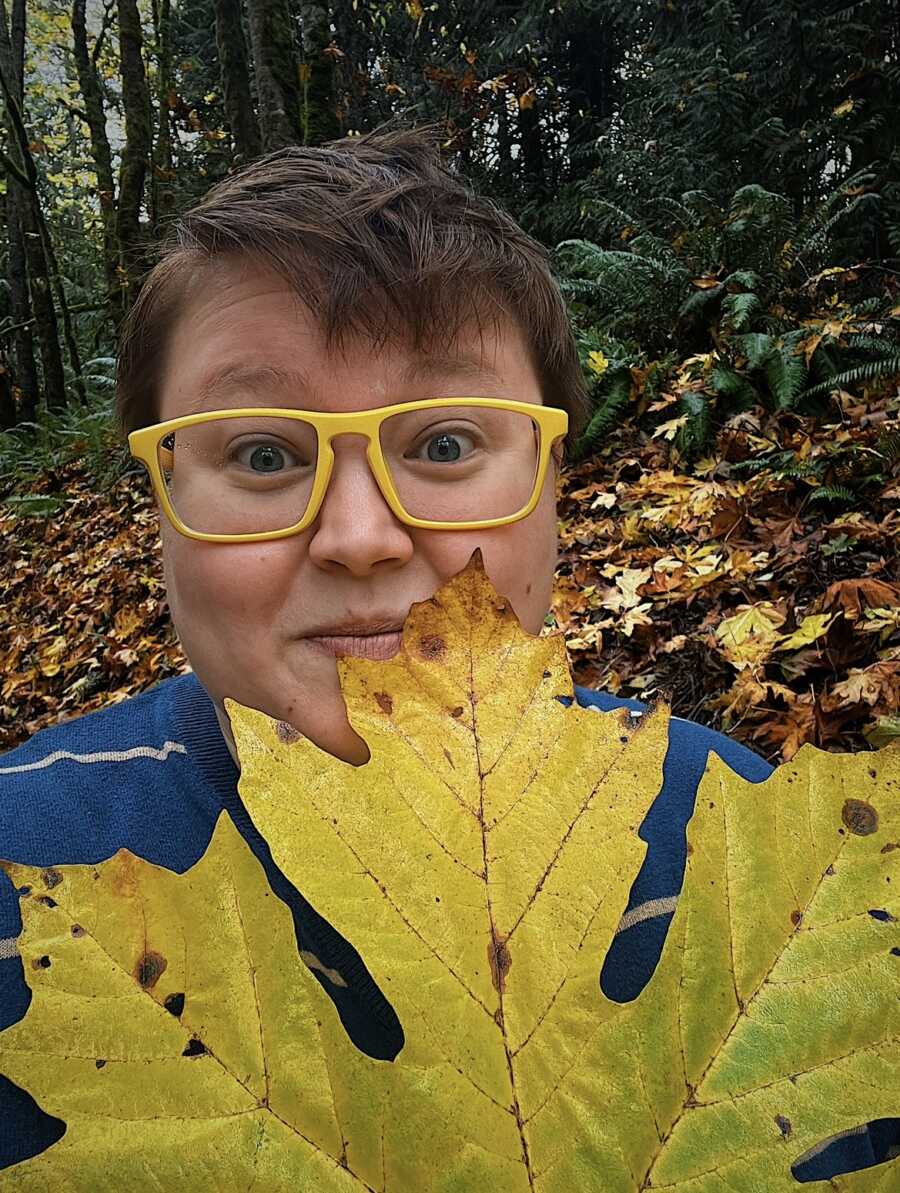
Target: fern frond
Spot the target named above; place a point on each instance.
(786, 374)
(833, 493)
(888, 445)
(739, 309)
(608, 414)
(756, 346)
(862, 374)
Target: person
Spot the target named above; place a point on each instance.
(360, 277)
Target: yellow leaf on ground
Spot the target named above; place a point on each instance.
(813, 627)
(749, 636)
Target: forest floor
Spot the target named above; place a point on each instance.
(737, 592)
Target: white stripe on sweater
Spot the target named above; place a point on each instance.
(647, 911)
(171, 747)
(8, 947)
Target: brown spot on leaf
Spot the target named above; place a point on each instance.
(41, 962)
(499, 960)
(890, 847)
(148, 970)
(432, 647)
(456, 712)
(51, 878)
(829, 870)
(384, 702)
(313, 962)
(796, 917)
(195, 1047)
(784, 1125)
(447, 756)
(498, 1018)
(77, 930)
(286, 733)
(46, 901)
(99, 1063)
(859, 817)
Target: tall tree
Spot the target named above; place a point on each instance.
(275, 68)
(318, 117)
(234, 69)
(162, 196)
(135, 152)
(20, 166)
(95, 115)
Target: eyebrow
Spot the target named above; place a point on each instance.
(268, 377)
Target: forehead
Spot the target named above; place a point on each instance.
(244, 337)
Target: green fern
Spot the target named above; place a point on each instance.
(739, 309)
(785, 372)
(888, 366)
(888, 445)
(757, 347)
(837, 493)
(696, 434)
(608, 415)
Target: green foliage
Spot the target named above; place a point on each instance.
(34, 450)
(612, 401)
(745, 286)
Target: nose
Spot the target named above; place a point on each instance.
(355, 528)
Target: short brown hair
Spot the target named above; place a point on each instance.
(377, 237)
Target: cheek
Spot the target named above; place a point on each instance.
(211, 584)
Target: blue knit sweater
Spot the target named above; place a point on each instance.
(153, 773)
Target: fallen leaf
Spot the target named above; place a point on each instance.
(811, 629)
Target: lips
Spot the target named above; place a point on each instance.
(364, 646)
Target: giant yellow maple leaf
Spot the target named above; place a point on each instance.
(480, 863)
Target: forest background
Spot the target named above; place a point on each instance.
(719, 184)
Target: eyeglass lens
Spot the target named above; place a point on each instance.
(255, 475)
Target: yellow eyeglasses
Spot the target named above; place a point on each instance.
(257, 473)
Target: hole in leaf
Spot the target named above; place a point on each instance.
(849, 1151)
(174, 1004)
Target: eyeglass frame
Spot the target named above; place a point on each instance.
(143, 444)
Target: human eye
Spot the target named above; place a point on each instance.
(264, 458)
(448, 445)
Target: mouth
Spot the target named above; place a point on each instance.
(363, 646)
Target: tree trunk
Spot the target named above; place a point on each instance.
(318, 115)
(27, 204)
(162, 198)
(504, 142)
(135, 152)
(234, 71)
(592, 59)
(25, 371)
(106, 188)
(8, 416)
(275, 66)
(533, 175)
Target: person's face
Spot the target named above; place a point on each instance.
(245, 612)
